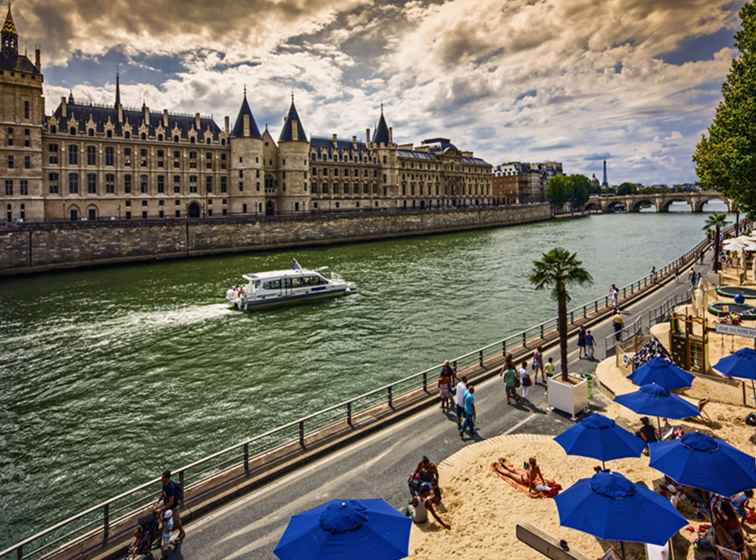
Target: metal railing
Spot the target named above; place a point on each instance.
(100, 520)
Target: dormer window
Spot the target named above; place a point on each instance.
(53, 129)
(143, 136)
(175, 138)
(72, 131)
(160, 137)
(127, 134)
(109, 134)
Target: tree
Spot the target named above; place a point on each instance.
(627, 188)
(716, 222)
(559, 269)
(726, 156)
(580, 190)
(558, 190)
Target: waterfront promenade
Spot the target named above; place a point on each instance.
(378, 466)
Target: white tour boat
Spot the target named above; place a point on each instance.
(283, 287)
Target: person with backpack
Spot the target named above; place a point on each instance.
(525, 380)
(172, 498)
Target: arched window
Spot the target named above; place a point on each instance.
(73, 214)
(127, 134)
(92, 213)
(109, 133)
(160, 137)
(175, 138)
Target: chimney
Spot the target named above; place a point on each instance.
(226, 123)
(37, 59)
(391, 135)
(145, 114)
(333, 139)
(63, 107)
(354, 141)
(197, 122)
(367, 136)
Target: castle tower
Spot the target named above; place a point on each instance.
(385, 149)
(293, 154)
(247, 194)
(22, 113)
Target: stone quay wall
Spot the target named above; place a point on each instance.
(29, 248)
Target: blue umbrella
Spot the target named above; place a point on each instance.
(343, 529)
(611, 507)
(662, 372)
(704, 462)
(599, 437)
(654, 400)
(741, 364)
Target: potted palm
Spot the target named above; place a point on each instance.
(559, 269)
(716, 222)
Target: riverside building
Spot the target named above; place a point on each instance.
(89, 162)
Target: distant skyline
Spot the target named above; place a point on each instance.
(634, 82)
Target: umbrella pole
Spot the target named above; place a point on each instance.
(603, 465)
(658, 421)
(753, 386)
(622, 547)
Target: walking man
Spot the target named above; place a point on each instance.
(581, 342)
(619, 323)
(469, 424)
(171, 496)
(510, 383)
(589, 345)
(459, 400)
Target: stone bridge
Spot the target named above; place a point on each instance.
(660, 201)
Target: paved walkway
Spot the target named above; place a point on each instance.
(249, 527)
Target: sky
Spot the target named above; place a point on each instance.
(635, 82)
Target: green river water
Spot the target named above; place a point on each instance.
(108, 376)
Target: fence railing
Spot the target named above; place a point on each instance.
(100, 520)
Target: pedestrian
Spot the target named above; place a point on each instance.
(618, 322)
(614, 296)
(172, 496)
(538, 365)
(470, 417)
(459, 400)
(549, 368)
(589, 342)
(525, 381)
(581, 342)
(653, 274)
(445, 380)
(510, 381)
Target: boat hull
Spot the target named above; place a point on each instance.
(255, 304)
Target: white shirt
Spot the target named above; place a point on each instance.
(523, 374)
(459, 396)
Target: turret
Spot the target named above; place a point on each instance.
(293, 153)
(386, 152)
(247, 192)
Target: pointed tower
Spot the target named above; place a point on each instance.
(118, 106)
(605, 182)
(246, 191)
(385, 150)
(9, 35)
(293, 156)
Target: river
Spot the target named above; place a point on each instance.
(108, 376)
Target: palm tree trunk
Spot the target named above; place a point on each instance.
(563, 332)
(716, 249)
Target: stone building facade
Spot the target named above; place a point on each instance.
(91, 162)
(523, 183)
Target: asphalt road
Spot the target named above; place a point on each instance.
(249, 527)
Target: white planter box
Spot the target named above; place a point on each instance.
(567, 397)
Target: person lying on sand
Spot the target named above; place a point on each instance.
(528, 477)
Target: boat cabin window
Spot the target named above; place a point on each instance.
(272, 285)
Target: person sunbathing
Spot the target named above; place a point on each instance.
(528, 477)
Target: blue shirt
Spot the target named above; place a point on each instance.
(469, 402)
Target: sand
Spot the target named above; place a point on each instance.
(483, 510)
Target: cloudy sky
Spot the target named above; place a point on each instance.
(633, 81)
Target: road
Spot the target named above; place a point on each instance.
(249, 527)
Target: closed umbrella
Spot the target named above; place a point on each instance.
(599, 437)
(346, 529)
(704, 462)
(611, 507)
(655, 400)
(664, 373)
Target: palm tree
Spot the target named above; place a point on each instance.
(558, 269)
(716, 221)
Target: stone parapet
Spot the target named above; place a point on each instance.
(41, 247)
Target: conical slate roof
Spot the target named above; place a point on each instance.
(381, 134)
(238, 131)
(287, 132)
(9, 26)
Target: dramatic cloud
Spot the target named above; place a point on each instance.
(570, 80)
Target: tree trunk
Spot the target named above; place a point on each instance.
(563, 332)
(716, 249)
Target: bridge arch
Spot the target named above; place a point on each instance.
(701, 202)
(667, 202)
(593, 207)
(616, 206)
(638, 205)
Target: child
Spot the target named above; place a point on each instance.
(549, 368)
(167, 528)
